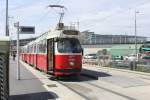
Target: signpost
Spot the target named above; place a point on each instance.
(27, 30)
(21, 30)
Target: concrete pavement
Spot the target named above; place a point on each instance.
(29, 87)
(57, 90)
(135, 85)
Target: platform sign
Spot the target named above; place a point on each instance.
(4, 68)
(27, 30)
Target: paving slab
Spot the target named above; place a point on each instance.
(63, 93)
(29, 87)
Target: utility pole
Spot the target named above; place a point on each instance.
(120, 39)
(78, 24)
(7, 28)
(112, 40)
(95, 39)
(18, 51)
(125, 38)
(136, 32)
(18, 54)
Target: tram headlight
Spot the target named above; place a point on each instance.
(71, 63)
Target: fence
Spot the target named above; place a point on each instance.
(4, 70)
(142, 66)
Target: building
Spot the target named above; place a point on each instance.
(88, 37)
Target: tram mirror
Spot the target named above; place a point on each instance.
(82, 52)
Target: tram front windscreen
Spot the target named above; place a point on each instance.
(69, 45)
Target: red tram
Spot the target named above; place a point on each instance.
(58, 52)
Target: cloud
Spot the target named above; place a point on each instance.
(100, 16)
(119, 21)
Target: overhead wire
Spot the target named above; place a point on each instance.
(58, 1)
(46, 14)
(42, 18)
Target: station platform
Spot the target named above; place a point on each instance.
(29, 87)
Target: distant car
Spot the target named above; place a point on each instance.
(118, 57)
(132, 58)
(90, 56)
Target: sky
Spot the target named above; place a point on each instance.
(99, 16)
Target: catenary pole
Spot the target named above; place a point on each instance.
(7, 28)
(18, 52)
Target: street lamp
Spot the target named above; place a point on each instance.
(7, 28)
(18, 55)
(136, 12)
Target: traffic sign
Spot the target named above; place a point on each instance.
(27, 30)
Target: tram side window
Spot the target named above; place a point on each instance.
(61, 46)
(22, 50)
(37, 47)
(34, 48)
(28, 49)
(42, 47)
(25, 50)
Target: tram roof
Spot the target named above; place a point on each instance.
(5, 38)
(52, 34)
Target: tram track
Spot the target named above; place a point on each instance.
(83, 96)
(90, 82)
(140, 75)
(114, 92)
(111, 91)
(86, 96)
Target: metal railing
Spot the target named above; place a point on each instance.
(142, 66)
(4, 80)
(4, 68)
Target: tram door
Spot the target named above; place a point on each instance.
(50, 49)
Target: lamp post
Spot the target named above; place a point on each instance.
(135, 32)
(7, 28)
(18, 51)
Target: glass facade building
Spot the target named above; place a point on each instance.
(87, 37)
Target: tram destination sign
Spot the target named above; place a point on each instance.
(70, 32)
(27, 30)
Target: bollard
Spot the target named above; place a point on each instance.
(131, 65)
(4, 68)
